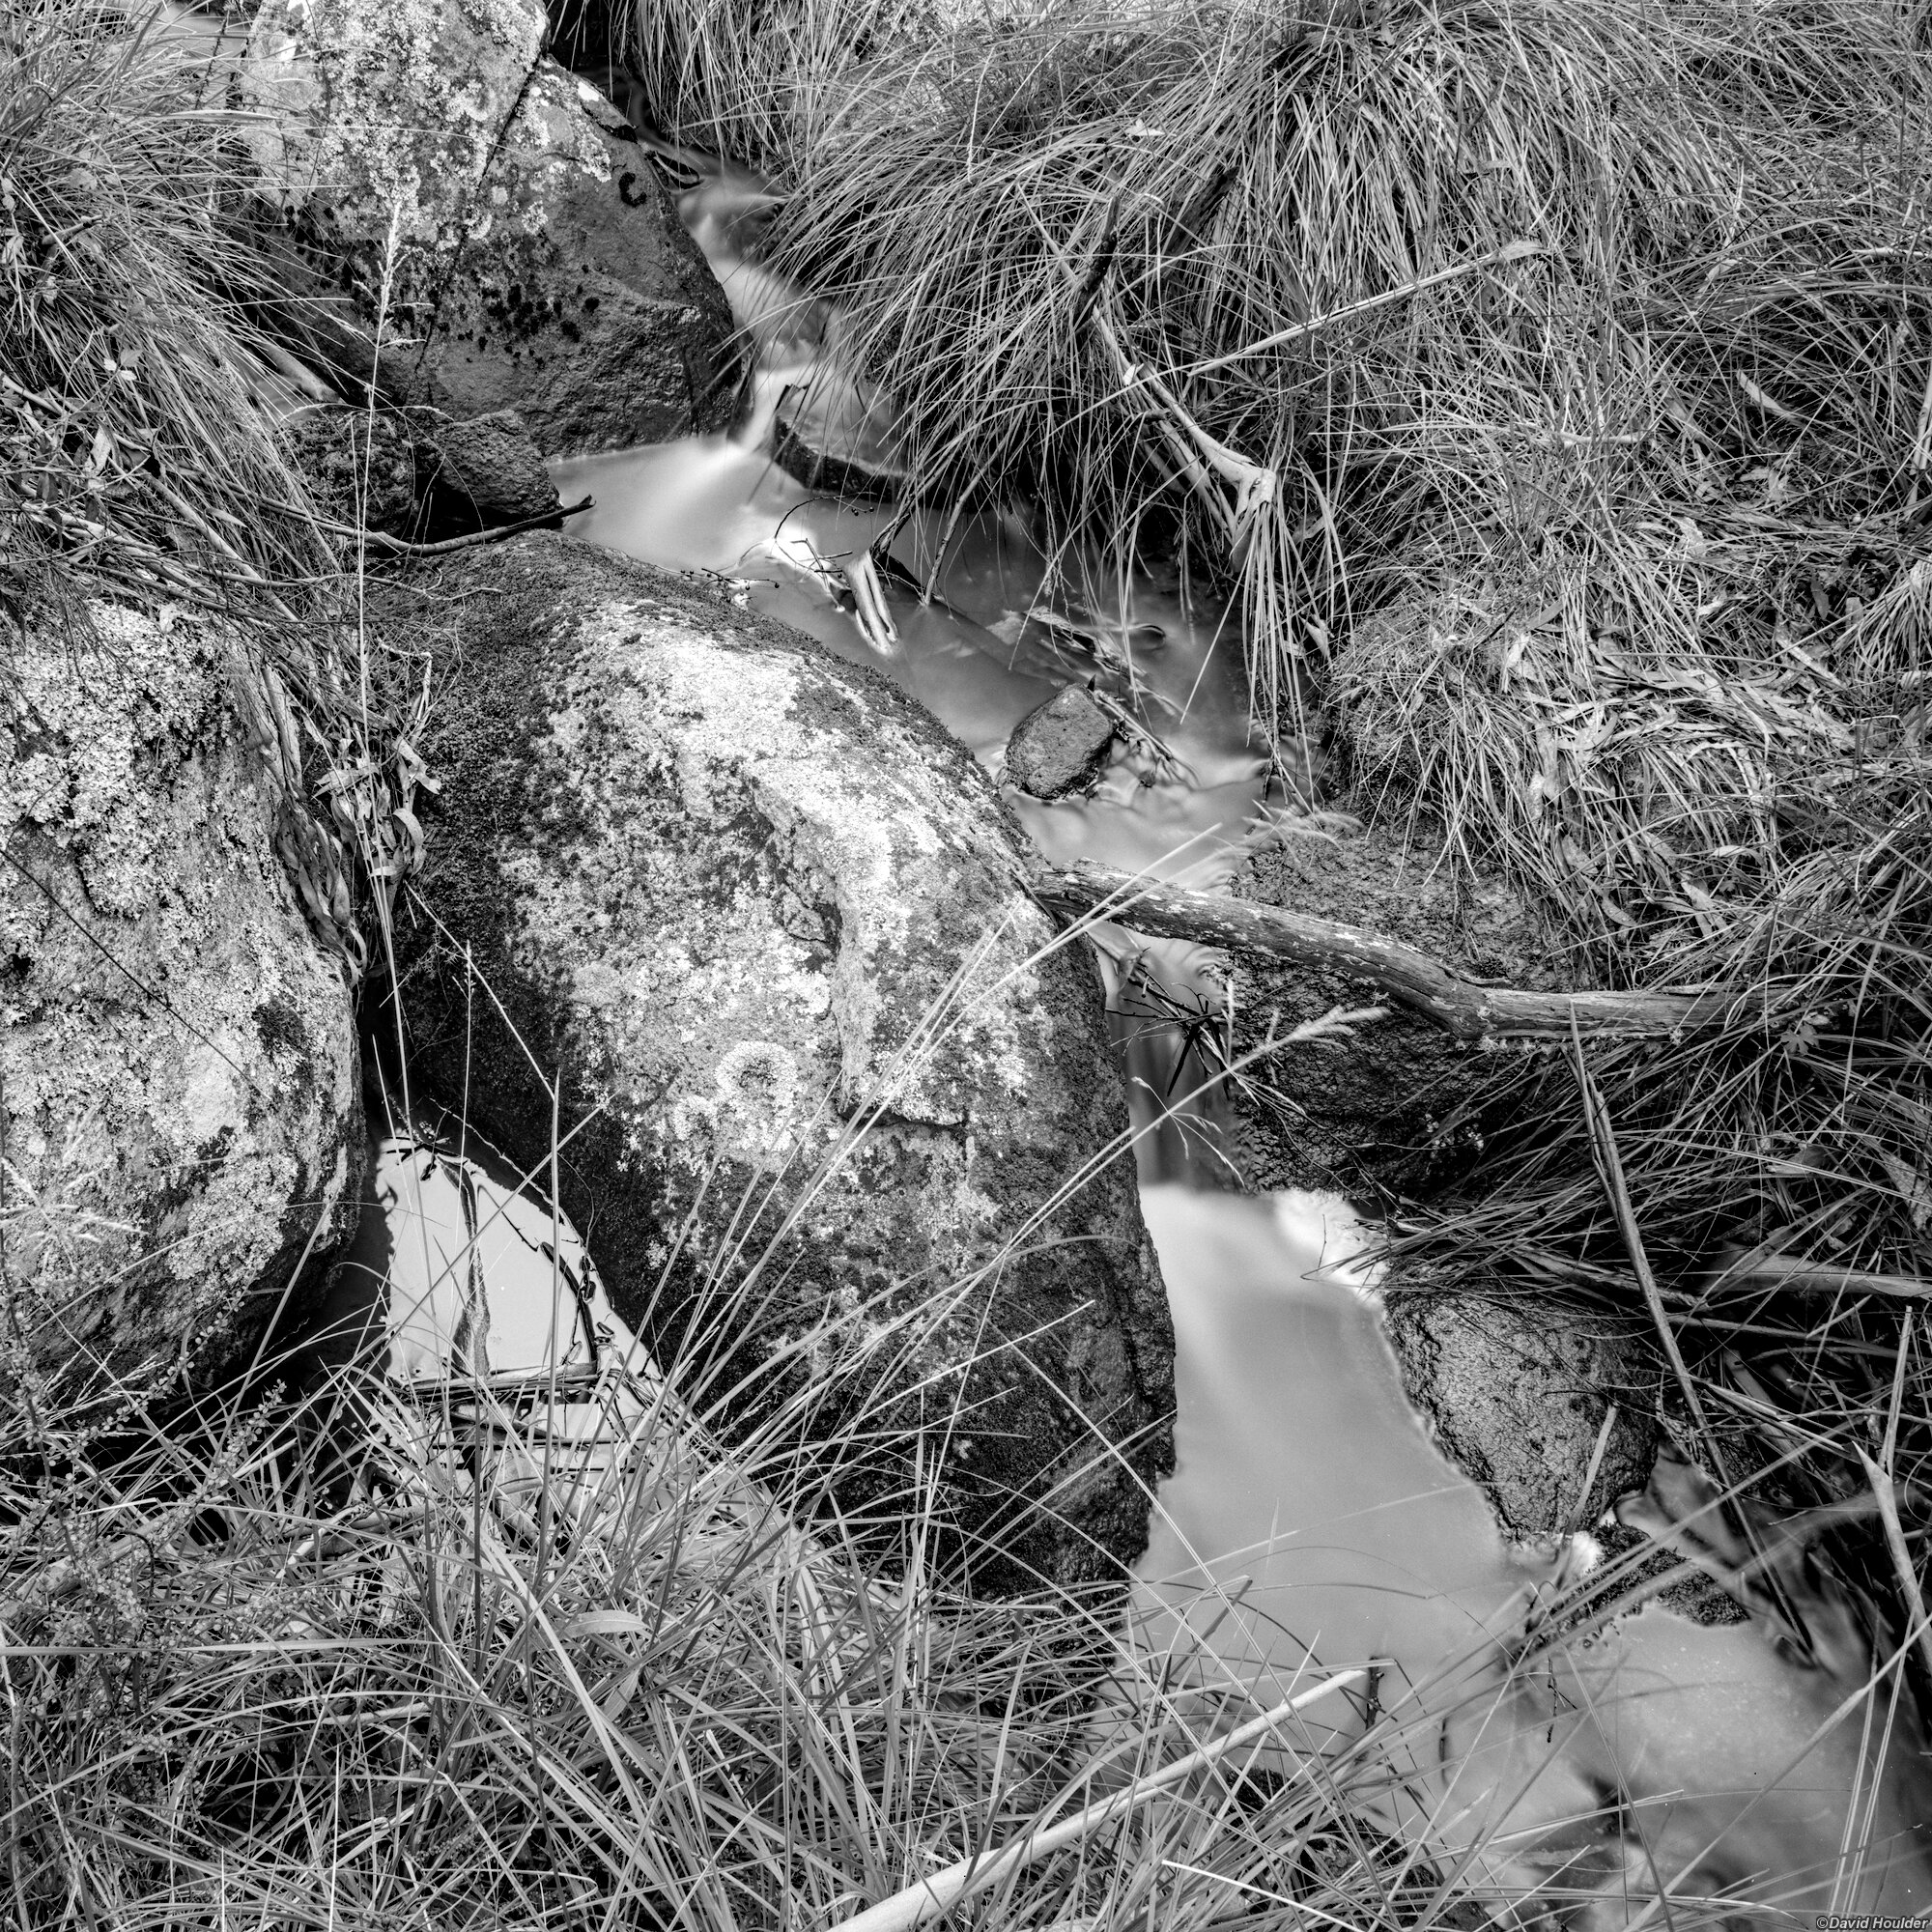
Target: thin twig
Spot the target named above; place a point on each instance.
(398, 547)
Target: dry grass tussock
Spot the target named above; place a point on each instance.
(139, 453)
(1325, 284)
(135, 455)
(375, 1657)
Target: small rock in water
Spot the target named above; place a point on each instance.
(483, 472)
(1059, 747)
(835, 436)
(1520, 1394)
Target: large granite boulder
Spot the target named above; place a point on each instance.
(180, 1113)
(463, 220)
(835, 1112)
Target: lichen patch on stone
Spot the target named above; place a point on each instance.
(148, 926)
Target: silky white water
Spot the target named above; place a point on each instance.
(1663, 1754)
(1309, 1521)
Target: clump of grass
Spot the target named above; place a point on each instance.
(1778, 1162)
(342, 1652)
(136, 457)
(377, 1655)
(1674, 691)
(141, 458)
(732, 76)
(1297, 285)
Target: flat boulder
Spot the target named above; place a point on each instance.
(468, 231)
(180, 1085)
(836, 1115)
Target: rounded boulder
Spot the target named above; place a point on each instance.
(180, 1088)
(835, 1110)
(490, 244)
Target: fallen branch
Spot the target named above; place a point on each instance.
(1791, 1274)
(1300, 331)
(389, 545)
(1885, 1495)
(1423, 984)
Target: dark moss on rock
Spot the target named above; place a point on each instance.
(361, 466)
(830, 1121)
(1548, 1408)
(480, 472)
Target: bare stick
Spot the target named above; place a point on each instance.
(930, 1897)
(398, 547)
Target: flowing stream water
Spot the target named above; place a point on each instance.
(1309, 1515)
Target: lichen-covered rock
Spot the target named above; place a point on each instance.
(1055, 747)
(830, 1107)
(445, 176)
(180, 1115)
(1517, 1393)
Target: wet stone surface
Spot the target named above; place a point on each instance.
(1060, 747)
(1547, 1410)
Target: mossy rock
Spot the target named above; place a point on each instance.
(719, 883)
(469, 232)
(1519, 1391)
